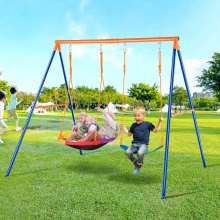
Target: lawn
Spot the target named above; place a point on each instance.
(52, 181)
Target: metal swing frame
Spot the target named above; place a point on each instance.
(176, 49)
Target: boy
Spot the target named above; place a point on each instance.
(141, 133)
(3, 97)
(12, 107)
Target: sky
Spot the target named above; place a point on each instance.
(28, 30)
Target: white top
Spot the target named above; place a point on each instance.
(92, 127)
(13, 102)
(2, 107)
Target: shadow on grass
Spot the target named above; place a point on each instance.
(140, 179)
(213, 165)
(91, 168)
(182, 194)
(98, 151)
(114, 174)
(34, 171)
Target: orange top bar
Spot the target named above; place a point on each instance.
(118, 40)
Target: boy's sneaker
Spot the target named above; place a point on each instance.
(1, 141)
(136, 170)
(18, 129)
(137, 167)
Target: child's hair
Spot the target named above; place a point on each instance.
(82, 114)
(13, 90)
(140, 110)
(2, 95)
(93, 119)
(89, 118)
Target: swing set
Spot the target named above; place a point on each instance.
(176, 49)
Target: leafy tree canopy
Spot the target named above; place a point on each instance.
(144, 92)
(210, 79)
(179, 96)
(110, 89)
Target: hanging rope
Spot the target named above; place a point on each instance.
(160, 75)
(70, 85)
(123, 92)
(101, 87)
(102, 84)
(101, 76)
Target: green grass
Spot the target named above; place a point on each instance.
(52, 181)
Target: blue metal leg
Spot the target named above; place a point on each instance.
(191, 106)
(29, 116)
(168, 127)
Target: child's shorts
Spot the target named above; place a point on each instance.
(13, 113)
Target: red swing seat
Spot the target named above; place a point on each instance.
(84, 145)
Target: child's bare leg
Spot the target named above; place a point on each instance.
(89, 137)
(5, 127)
(9, 116)
(3, 131)
(74, 136)
(71, 136)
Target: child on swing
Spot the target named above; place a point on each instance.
(140, 130)
(79, 129)
(110, 129)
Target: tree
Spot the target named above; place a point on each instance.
(110, 89)
(210, 79)
(144, 92)
(179, 96)
(27, 98)
(4, 86)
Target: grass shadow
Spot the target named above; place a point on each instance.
(182, 194)
(114, 173)
(33, 171)
(91, 168)
(213, 165)
(99, 151)
(139, 179)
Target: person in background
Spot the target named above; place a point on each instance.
(3, 98)
(12, 107)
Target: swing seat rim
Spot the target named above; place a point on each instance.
(85, 145)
